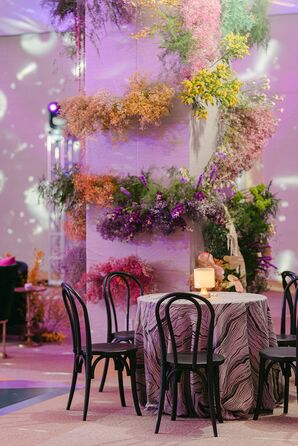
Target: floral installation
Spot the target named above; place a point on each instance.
(34, 271)
(50, 318)
(244, 132)
(217, 84)
(202, 20)
(246, 17)
(253, 212)
(75, 224)
(189, 30)
(143, 205)
(226, 270)
(71, 190)
(69, 16)
(144, 104)
(142, 270)
(73, 265)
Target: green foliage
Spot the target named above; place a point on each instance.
(175, 39)
(238, 16)
(260, 31)
(60, 193)
(215, 238)
(252, 213)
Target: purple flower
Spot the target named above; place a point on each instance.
(178, 210)
(200, 180)
(200, 196)
(125, 191)
(143, 180)
(213, 172)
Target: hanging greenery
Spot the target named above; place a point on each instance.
(253, 212)
(246, 17)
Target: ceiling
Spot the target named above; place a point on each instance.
(27, 16)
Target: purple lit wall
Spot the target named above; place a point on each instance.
(280, 63)
(34, 71)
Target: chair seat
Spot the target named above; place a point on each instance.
(113, 348)
(185, 359)
(279, 353)
(286, 340)
(128, 335)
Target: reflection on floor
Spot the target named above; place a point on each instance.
(17, 394)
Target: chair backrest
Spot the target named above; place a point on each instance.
(127, 279)
(289, 304)
(73, 304)
(8, 281)
(165, 323)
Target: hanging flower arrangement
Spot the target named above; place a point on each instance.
(71, 191)
(245, 130)
(143, 105)
(246, 17)
(142, 270)
(218, 84)
(65, 14)
(143, 205)
(253, 212)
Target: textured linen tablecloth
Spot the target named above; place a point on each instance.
(243, 327)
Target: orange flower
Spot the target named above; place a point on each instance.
(95, 189)
(144, 104)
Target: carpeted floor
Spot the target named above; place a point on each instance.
(33, 394)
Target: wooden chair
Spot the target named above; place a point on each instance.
(285, 357)
(177, 362)
(90, 354)
(287, 336)
(113, 332)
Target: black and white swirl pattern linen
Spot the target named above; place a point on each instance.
(243, 327)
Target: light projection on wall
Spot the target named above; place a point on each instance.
(36, 209)
(28, 69)
(29, 79)
(3, 104)
(38, 44)
(2, 180)
(265, 58)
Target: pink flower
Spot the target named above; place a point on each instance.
(202, 19)
(133, 265)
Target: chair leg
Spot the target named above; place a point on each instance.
(217, 395)
(163, 383)
(287, 384)
(104, 374)
(210, 374)
(133, 366)
(175, 395)
(260, 388)
(4, 323)
(119, 368)
(73, 384)
(87, 386)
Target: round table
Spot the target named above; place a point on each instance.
(243, 327)
(29, 292)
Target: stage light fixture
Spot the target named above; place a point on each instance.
(53, 109)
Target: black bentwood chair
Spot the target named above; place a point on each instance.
(289, 307)
(285, 357)
(84, 355)
(8, 281)
(175, 363)
(113, 332)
